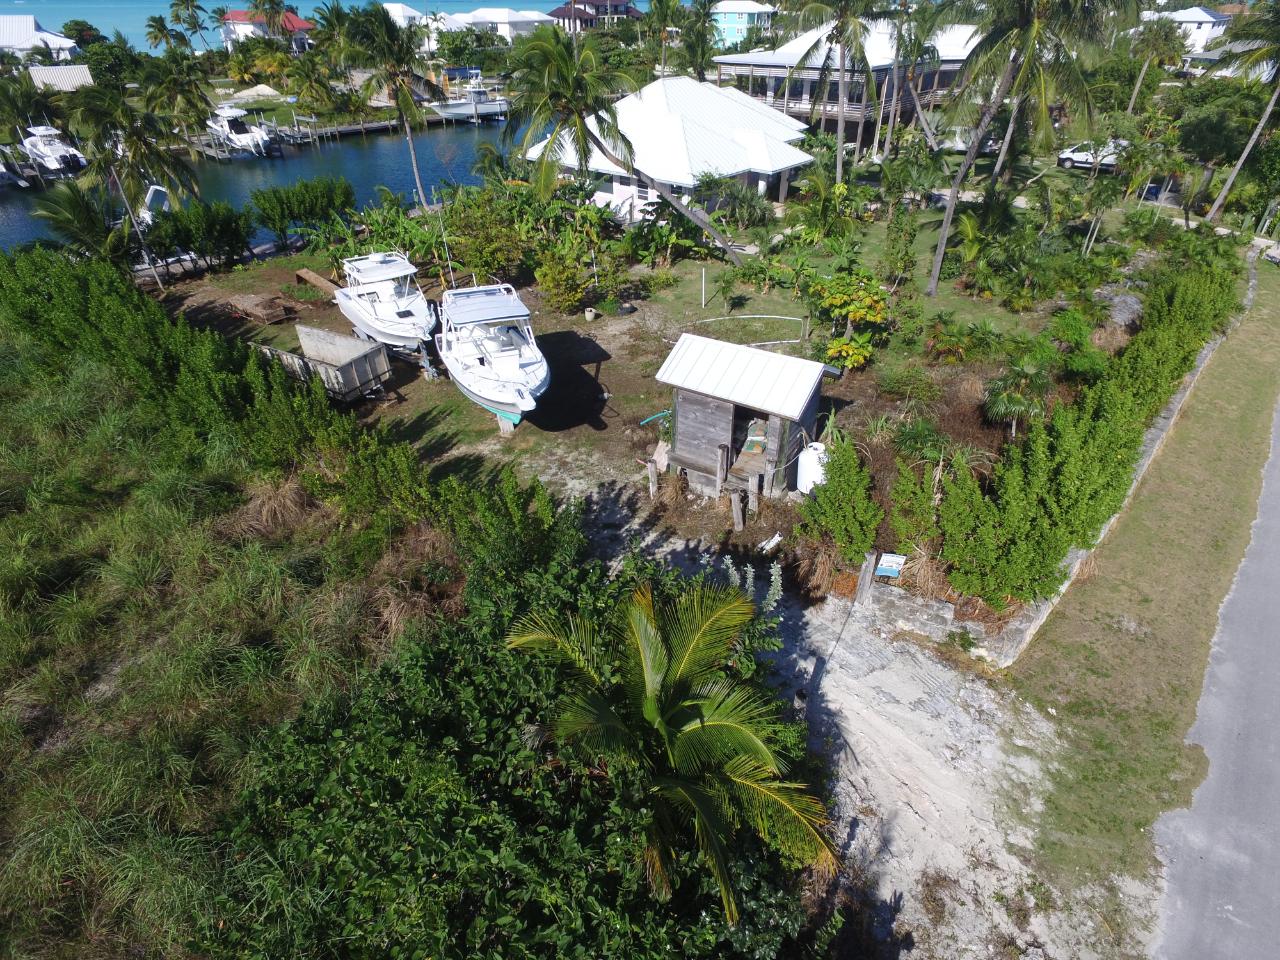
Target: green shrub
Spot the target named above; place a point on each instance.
(308, 202)
(842, 507)
(912, 514)
(908, 380)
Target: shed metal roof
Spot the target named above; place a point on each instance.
(747, 376)
(64, 79)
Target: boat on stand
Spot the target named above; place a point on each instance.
(476, 103)
(383, 301)
(486, 343)
(228, 128)
(49, 151)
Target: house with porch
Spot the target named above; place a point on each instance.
(579, 15)
(240, 25)
(734, 19)
(681, 131)
(790, 78)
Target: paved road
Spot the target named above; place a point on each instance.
(1223, 854)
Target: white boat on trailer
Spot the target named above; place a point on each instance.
(475, 102)
(228, 128)
(383, 301)
(486, 343)
(52, 155)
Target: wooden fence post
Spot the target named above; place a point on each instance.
(735, 501)
(865, 577)
(651, 466)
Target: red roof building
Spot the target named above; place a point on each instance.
(239, 25)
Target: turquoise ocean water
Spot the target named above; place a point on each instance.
(128, 16)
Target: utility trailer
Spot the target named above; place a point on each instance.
(348, 368)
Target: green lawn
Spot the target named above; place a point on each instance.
(1121, 661)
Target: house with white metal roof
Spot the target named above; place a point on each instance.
(790, 77)
(64, 79)
(1199, 25)
(681, 131)
(504, 21)
(734, 19)
(740, 415)
(21, 33)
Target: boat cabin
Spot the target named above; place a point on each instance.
(231, 119)
(385, 275)
(740, 415)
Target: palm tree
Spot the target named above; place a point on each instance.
(394, 53)
(22, 102)
(271, 13)
(159, 33)
(661, 17)
(177, 87)
(649, 694)
(564, 92)
(1018, 394)
(1021, 42)
(308, 77)
(189, 14)
(241, 67)
(1159, 41)
(915, 50)
(698, 38)
(1250, 44)
(81, 218)
(844, 30)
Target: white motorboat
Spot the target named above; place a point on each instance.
(475, 102)
(383, 301)
(229, 129)
(487, 345)
(51, 153)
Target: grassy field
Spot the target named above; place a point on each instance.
(1122, 659)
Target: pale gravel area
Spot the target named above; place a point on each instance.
(936, 771)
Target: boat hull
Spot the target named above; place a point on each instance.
(509, 411)
(368, 328)
(491, 110)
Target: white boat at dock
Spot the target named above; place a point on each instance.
(228, 128)
(52, 155)
(486, 343)
(383, 301)
(475, 102)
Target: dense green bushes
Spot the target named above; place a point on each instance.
(1009, 538)
(215, 232)
(842, 507)
(318, 200)
(410, 811)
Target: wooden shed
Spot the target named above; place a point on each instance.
(740, 415)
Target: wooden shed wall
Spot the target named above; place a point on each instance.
(702, 424)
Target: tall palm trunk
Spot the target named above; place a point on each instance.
(1142, 75)
(989, 111)
(413, 151)
(895, 106)
(862, 119)
(1244, 154)
(694, 214)
(929, 137)
(842, 80)
(1008, 139)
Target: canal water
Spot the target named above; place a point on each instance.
(446, 154)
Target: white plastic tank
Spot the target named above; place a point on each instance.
(811, 468)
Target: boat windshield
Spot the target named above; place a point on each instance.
(404, 287)
(236, 126)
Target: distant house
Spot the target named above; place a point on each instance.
(504, 21)
(64, 79)
(21, 34)
(680, 131)
(404, 15)
(240, 25)
(586, 14)
(792, 78)
(735, 19)
(1199, 25)
(740, 415)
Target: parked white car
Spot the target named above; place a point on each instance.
(1084, 155)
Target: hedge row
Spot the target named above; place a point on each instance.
(1009, 538)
